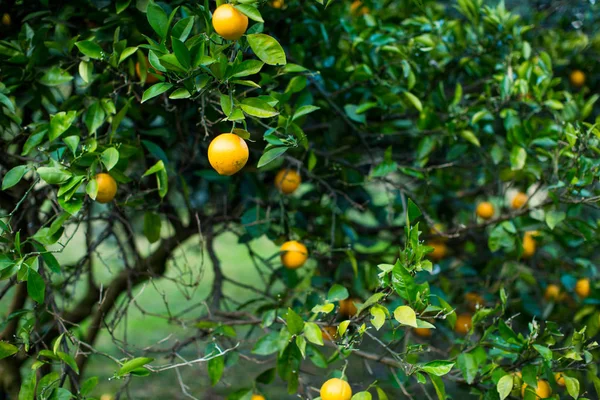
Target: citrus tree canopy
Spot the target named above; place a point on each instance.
(316, 199)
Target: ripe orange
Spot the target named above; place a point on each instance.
(6, 19)
(150, 77)
(560, 379)
(439, 250)
(329, 332)
(229, 23)
(107, 188)
(474, 301)
(287, 181)
(293, 254)
(277, 4)
(519, 200)
(577, 78)
(485, 210)
(543, 390)
(463, 324)
(106, 397)
(582, 288)
(529, 245)
(347, 307)
(423, 332)
(258, 397)
(552, 292)
(336, 389)
(357, 8)
(228, 153)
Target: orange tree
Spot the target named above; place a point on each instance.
(428, 169)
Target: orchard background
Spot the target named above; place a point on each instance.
(448, 153)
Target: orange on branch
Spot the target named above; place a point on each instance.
(463, 324)
(6, 19)
(529, 245)
(423, 332)
(287, 181)
(228, 153)
(258, 397)
(474, 301)
(485, 210)
(560, 379)
(440, 250)
(229, 23)
(582, 288)
(107, 188)
(150, 77)
(358, 8)
(278, 4)
(543, 390)
(336, 389)
(348, 308)
(519, 200)
(552, 292)
(293, 254)
(329, 332)
(577, 78)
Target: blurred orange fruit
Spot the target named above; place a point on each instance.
(347, 307)
(463, 324)
(519, 200)
(543, 390)
(423, 332)
(529, 245)
(228, 153)
(229, 23)
(560, 379)
(582, 288)
(293, 254)
(485, 210)
(440, 250)
(150, 77)
(474, 301)
(287, 181)
(6, 19)
(577, 78)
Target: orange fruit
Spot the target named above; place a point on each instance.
(552, 292)
(287, 181)
(6, 19)
(577, 78)
(519, 200)
(474, 301)
(485, 210)
(582, 288)
(106, 397)
(357, 8)
(423, 332)
(293, 254)
(347, 307)
(150, 77)
(560, 379)
(107, 188)
(529, 245)
(336, 389)
(228, 153)
(543, 390)
(329, 332)
(258, 397)
(439, 250)
(229, 23)
(463, 324)
(277, 4)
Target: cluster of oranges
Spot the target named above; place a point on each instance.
(543, 389)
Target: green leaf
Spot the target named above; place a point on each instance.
(438, 385)
(313, 333)
(181, 52)
(378, 313)
(86, 69)
(88, 385)
(13, 176)
(544, 351)
(72, 143)
(158, 19)
(267, 344)
(270, 155)
(302, 111)
(295, 323)
(159, 166)
(92, 188)
(69, 360)
(181, 93)
(572, 385)
(470, 137)
(110, 158)
(122, 5)
(7, 349)
(183, 28)
(94, 118)
(152, 226)
(36, 287)
(362, 396)
(438, 367)
(55, 77)
(27, 391)
(7, 102)
(60, 122)
(468, 366)
(267, 49)
(504, 386)
(337, 293)
(257, 108)
(553, 218)
(246, 68)
(414, 100)
(406, 316)
(216, 365)
(52, 175)
(404, 283)
(90, 49)
(126, 53)
(155, 90)
(250, 11)
(133, 364)
(518, 156)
